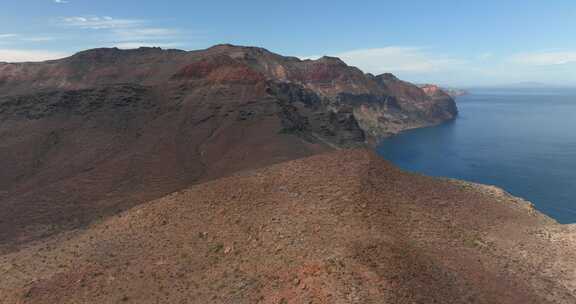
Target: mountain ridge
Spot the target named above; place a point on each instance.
(327, 76)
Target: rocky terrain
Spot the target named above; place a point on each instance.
(88, 136)
(222, 176)
(342, 227)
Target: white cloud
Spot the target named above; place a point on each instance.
(100, 23)
(125, 33)
(15, 38)
(486, 55)
(397, 59)
(38, 39)
(12, 55)
(8, 36)
(545, 58)
(61, 1)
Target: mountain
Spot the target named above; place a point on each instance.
(88, 136)
(330, 78)
(341, 227)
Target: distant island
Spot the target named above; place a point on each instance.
(529, 85)
(450, 91)
(455, 92)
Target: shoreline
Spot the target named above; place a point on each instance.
(496, 190)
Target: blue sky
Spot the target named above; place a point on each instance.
(450, 42)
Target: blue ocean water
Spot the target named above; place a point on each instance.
(522, 140)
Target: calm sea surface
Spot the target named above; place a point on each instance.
(521, 140)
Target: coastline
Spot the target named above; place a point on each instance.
(502, 195)
(495, 191)
(378, 140)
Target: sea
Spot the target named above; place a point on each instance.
(521, 140)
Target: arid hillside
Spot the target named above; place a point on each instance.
(342, 227)
(88, 136)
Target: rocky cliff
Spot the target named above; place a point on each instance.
(382, 104)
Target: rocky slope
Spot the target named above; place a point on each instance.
(91, 135)
(344, 227)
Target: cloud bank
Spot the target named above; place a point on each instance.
(421, 64)
(11, 55)
(545, 58)
(398, 59)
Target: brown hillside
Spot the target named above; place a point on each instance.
(88, 136)
(343, 227)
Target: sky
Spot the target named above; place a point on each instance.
(449, 42)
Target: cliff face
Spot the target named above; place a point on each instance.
(403, 106)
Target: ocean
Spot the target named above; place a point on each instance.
(522, 140)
